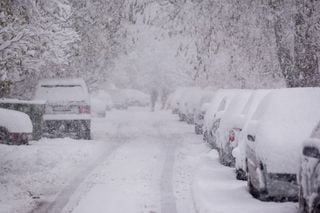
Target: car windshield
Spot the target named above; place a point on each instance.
(56, 93)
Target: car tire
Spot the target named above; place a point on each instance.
(241, 174)
(261, 195)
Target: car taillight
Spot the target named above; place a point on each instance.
(84, 109)
(14, 136)
(232, 136)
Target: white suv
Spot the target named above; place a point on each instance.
(67, 112)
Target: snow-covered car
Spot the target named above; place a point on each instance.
(100, 103)
(183, 101)
(230, 127)
(199, 118)
(67, 111)
(193, 100)
(137, 98)
(309, 174)
(283, 119)
(239, 152)
(119, 99)
(173, 102)
(200, 110)
(15, 127)
(214, 114)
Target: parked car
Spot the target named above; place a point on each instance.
(239, 150)
(193, 99)
(67, 111)
(185, 102)
(214, 114)
(119, 99)
(34, 109)
(100, 103)
(284, 118)
(15, 127)
(173, 102)
(200, 110)
(230, 127)
(309, 174)
(137, 98)
(199, 118)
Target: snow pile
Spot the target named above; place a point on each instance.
(216, 190)
(284, 119)
(29, 174)
(14, 121)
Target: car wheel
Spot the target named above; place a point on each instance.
(241, 174)
(261, 195)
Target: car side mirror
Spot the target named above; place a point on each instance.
(311, 152)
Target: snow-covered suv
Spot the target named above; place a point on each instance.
(309, 174)
(67, 112)
(283, 119)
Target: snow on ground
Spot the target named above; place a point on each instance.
(217, 191)
(37, 172)
(139, 161)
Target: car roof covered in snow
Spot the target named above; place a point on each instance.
(282, 121)
(14, 121)
(220, 102)
(45, 90)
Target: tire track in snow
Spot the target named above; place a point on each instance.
(58, 203)
(168, 200)
(168, 203)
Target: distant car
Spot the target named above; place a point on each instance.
(239, 150)
(15, 127)
(137, 98)
(173, 102)
(231, 126)
(309, 174)
(119, 99)
(199, 118)
(283, 119)
(100, 103)
(68, 110)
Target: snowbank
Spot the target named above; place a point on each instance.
(29, 174)
(14, 121)
(216, 190)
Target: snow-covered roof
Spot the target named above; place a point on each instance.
(62, 90)
(14, 121)
(283, 120)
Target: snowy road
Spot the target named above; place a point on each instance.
(138, 162)
(138, 176)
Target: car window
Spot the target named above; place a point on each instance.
(61, 93)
